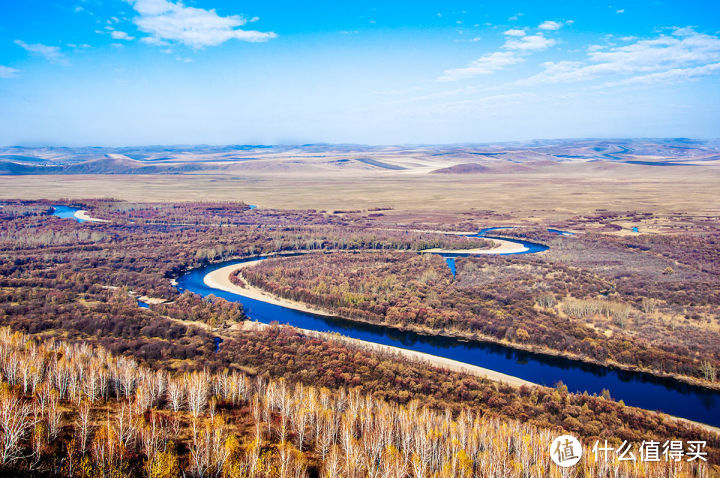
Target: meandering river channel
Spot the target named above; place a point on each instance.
(635, 388)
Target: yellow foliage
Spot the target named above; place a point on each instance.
(165, 464)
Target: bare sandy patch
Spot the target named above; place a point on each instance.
(83, 214)
(502, 247)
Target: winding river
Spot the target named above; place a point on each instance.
(634, 388)
(530, 247)
(67, 212)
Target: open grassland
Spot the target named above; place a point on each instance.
(538, 194)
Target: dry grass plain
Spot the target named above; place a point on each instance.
(542, 193)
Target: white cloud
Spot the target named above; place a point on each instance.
(550, 25)
(622, 10)
(51, 53)
(484, 65)
(684, 48)
(515, 32)
(154, 41)
(513, 51)
(8, 72)
(669, 76)
(166, 21)
(529, 43)
(118, 35)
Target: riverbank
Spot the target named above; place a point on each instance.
(83, 215)
(432, 360)
(225, 284)
(220, 279)
(502, 247)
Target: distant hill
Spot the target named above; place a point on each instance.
(465, 168)
(13, 168)
(349, 159)
(111, 165)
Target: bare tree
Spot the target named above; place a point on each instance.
(197, 393)
(175, 394)
(82, 426)
(125, 425)
(15, 423)
(54, 416)
(709, 371)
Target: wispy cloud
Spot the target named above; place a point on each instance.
(51, 53)
(550, 25)
(684, 48)
(8, 72)
(484, 65)
(515, 32)
(529, 43)
(515, 49)
(669, 76)
(167, 21)
(119, 35)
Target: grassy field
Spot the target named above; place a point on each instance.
(556, 192)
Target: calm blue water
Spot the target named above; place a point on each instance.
(482, 232)
(252, 206)
(451, 263)
(635, 229)
(560, 232)
(532, 247)
(217, 341)
(638, 389)
(142, 304)
(66, 212)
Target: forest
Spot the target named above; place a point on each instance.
(75, 410)
(72, 289)
(556, 302)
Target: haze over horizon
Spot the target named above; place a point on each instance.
(161, 72)
(517, 143)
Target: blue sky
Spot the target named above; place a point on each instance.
(135, 72)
